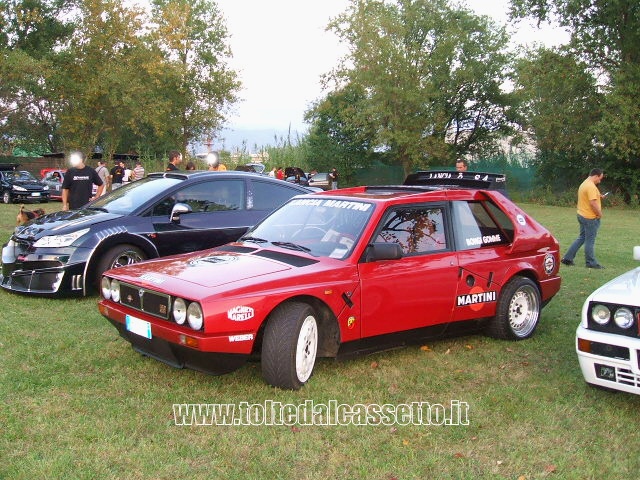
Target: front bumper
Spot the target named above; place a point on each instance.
(609, 360)
(30, 196)
(48, 274)
(181, 347)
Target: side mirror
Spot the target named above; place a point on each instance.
(383, 251)
(179, 209)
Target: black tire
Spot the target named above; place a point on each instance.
(118, 256)
(6, 197)
(290, 346)
(518, 310)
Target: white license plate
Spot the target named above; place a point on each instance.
(138, 326)
(35, 194)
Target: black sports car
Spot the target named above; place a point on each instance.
(162, 214)
(21, 185)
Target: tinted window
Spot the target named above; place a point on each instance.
(129, 197)
(416, 229)
(212, 196)
(269, 196)
(475, 227)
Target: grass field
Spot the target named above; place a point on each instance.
(78, 402)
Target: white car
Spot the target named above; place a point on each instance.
(608, 338)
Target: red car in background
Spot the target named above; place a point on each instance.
(342, 272)
(52, 177)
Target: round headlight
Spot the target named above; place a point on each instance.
(115, 290)
(623, 318)
(179, 311)
(105, 287)
(601, 314)
(194, 316)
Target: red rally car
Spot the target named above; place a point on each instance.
(338, 273)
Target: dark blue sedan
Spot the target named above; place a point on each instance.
(163, 214)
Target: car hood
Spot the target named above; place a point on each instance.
(28, 184)
(62, 223)
(624, 290)
(207, 269)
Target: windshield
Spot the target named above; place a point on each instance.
(130, 197)
(24, 176)
(320, 227)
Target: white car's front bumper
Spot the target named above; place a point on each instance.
(609, 360)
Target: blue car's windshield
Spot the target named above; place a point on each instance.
(128, 198)
(322, 227)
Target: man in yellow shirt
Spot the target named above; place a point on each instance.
(589, 215)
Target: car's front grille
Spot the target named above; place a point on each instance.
(148, 301)
(627, 377)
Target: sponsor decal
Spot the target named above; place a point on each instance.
(150, 277)
(351, 321)
(240, 313)
(344, 204)
(476, 298)
(549, 263)
(521, 220)
(212, 259)
(475, 241)
(245, 337)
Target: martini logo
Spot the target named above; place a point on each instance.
(476, 299)
(240, 313)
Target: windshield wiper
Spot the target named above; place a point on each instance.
(292, 246)
(253, 239)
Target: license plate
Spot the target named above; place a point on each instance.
(138, 326)
(35, 194)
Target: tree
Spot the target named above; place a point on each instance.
(197, 83)
(432, 75)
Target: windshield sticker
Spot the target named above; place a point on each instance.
(150, 277)
(241, 338)
(476, 299)
(240, 313)
(344, 204)
(475, 241)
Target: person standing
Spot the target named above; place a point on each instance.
(280, 173)
(175, 158)
(138, 171)
(272, 172)
(78, 183)
(461, 165)
(333, 178)
(117, 175)
(103, 173)
(589, 210)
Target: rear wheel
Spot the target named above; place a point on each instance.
(290, 346)
(518, 310)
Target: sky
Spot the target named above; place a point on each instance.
(281, 49)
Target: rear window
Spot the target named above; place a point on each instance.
(480, 225)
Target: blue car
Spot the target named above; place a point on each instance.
(163, 214)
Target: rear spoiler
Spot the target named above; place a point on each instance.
(444, 179)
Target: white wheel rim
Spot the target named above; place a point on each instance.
(306, 349)
(523, 311)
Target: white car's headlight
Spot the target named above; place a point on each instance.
(623, 318)
(194, 316)
(105, 287)
(18, 188)
(601, 314)
(60, 240)
(179, 311)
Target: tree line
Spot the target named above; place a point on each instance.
(424, 82)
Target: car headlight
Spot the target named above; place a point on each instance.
(601, 314)
(46, 188)
(105, 287)
(115, 290)
(18, 188)
(194, 316)
(60, 240)
(179, 311)
(623, 318)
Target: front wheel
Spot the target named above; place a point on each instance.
(118, 256)
(290, 346)
(518, 310)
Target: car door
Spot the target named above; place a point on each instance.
(482, 235)
(417, 290)
(217, 215)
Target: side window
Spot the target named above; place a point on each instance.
(213, 196)
(475, 228)
(416, 229)
(269, 196)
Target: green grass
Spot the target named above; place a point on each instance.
(78, 402)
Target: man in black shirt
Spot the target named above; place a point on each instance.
(175, 158)
(117, 175)
(78, 183)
